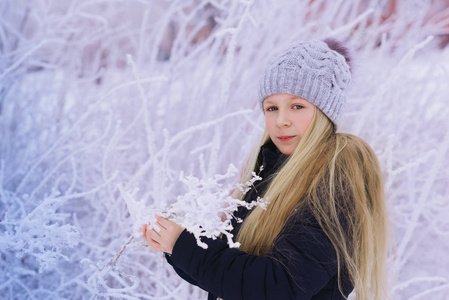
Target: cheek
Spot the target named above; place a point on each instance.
(308, 120)
(269, 123)
(307, 125)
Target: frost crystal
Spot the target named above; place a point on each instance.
(206, 209)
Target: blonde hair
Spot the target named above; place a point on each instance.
(337, 177)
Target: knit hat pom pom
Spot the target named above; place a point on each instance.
(340, 48)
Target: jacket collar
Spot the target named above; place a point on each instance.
(270, 157)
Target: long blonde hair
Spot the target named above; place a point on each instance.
(337, 177)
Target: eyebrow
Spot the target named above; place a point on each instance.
(301, 101)
(292, 99)
(267, 101)
(298, 99)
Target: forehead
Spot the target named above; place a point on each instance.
(284, 97)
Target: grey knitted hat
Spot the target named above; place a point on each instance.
(311, 70)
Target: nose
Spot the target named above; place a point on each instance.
(283, 120)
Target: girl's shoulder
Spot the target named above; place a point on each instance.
(300, 218)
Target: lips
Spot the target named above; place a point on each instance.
(286, 138)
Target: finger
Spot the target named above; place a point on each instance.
(160, 226)
(157, 227)
(151, 234)
(155, 246)
(156, 232)
(143, 230)
(163, 222)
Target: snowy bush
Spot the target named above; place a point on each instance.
(100, 99)
(206, 209)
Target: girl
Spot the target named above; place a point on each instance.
(324, 231)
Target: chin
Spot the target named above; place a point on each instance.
(286, 151)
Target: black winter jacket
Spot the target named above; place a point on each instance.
(302, 264)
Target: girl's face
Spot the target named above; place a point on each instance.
(287, 118)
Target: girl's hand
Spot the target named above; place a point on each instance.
(164, 239)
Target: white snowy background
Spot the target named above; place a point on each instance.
(99, 98)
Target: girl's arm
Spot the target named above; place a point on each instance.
(178, 271)
(301, 264)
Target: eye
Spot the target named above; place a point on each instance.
(271, 108)
(297, 106)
